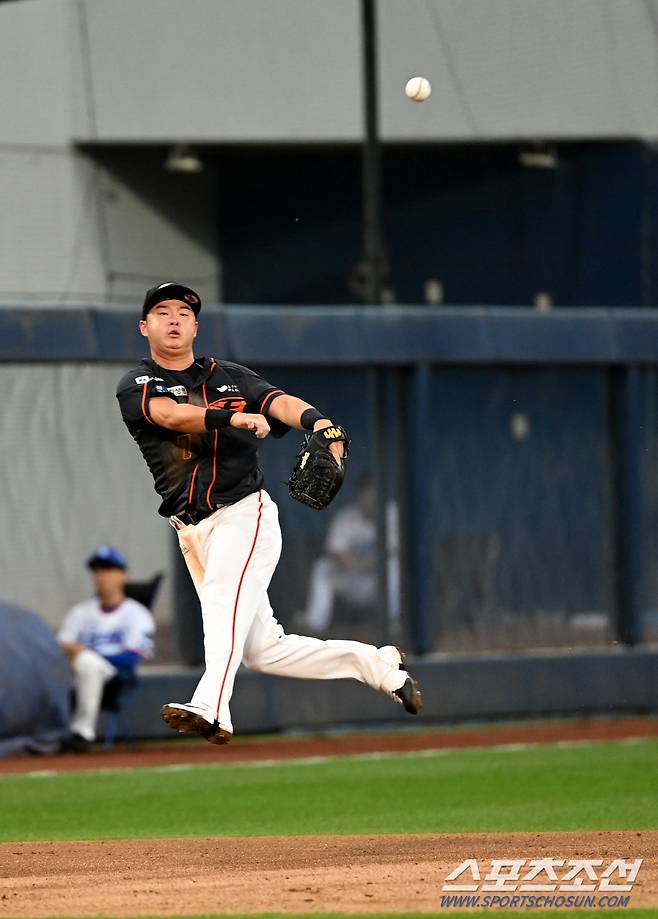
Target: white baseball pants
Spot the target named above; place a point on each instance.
(239, 547)
(90, 674)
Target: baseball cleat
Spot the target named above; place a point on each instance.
(409, 693)
(76, 743)
(189, 719)
(410, 696)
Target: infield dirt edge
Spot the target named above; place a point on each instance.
(291, 875)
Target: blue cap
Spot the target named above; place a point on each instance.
(107, 557)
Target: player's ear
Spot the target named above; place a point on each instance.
(142, 327)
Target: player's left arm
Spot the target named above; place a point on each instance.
(289, 410)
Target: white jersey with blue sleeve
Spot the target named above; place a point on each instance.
(126, 627)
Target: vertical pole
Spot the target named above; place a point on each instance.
(381, 451)
(404, 498)
(625, 414)
(419, 520)
(371, 159)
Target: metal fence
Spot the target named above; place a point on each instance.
(502, 490)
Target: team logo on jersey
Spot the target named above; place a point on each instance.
(231, 403)
(226, 388)
(148, 379)
(177, 390)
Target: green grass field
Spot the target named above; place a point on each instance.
(588, 786)
(561, 787)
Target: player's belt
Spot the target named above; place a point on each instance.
(194, 517)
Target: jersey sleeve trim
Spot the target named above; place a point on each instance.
(159, 392)
(215, 444)
(144, 406)
(269, 398)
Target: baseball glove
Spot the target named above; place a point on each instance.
(317, 477)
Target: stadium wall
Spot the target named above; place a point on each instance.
(455, 689)
(88, 71)
(260, 72)
(506, 423)
(81, 224)
(577, 532)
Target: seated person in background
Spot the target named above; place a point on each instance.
(103, 637)
(347, 571)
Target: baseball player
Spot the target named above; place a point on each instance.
(197, 422)
(103, 637)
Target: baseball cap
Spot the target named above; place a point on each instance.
(171, 290)
(107, 557)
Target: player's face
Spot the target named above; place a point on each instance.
(109, 582)
(170, 327)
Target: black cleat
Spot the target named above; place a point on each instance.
(410, 696)
(76, 743)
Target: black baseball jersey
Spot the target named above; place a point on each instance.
(196, 473)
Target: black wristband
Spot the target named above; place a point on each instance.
(217, 418)
(309, 417)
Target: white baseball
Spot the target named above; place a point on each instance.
(418, 89)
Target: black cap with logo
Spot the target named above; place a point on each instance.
(170, 290)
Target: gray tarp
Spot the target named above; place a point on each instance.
(34, 684)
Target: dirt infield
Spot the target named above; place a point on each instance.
(245, 749)
(357, 874)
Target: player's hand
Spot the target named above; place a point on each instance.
(255, 424)
(337, 450)
(72, 649)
